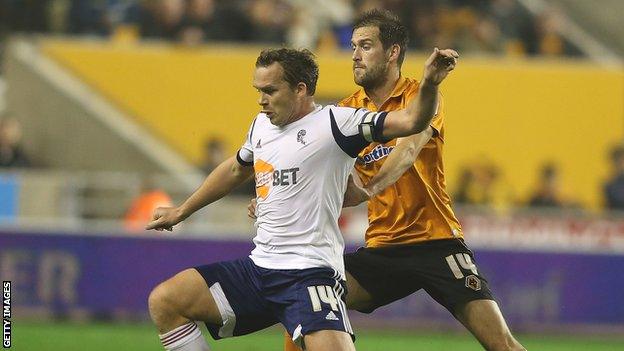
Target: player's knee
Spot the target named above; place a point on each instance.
(161, 301)
(164, 309)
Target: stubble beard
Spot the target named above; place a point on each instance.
(373, 78)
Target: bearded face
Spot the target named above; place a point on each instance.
(370, 60)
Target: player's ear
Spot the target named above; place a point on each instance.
(301, 89)
(393, 52)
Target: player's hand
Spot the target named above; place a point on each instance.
(251, 209)
(164, 218)
(439, 65)
(355, 193)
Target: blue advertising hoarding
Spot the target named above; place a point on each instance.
(113, 275)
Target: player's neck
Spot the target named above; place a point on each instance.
(379, 94)
(306, 108)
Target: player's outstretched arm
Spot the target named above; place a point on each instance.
(418, 114)
(398, 161)
(251, 208)
(219, 183)
(355, 193)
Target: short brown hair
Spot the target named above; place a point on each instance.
(299, 66)
(391, 30)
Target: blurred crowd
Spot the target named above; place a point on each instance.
(490, 26)
(11, 153)
(480, 183)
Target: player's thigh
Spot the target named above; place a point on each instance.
(237, 288)
(358, 298)
(186, 294)
(313, 300)
(375, 278)
(482, 317)
(328, 340)
(485, 321)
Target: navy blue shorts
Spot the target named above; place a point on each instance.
(251, 298)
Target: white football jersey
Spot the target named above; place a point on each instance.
(301, 172)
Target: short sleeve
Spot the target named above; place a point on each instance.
(245, 154)
(438, 119)
(354, 129)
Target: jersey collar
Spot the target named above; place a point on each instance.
(399, 89)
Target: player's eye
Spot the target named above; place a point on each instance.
(265, 91)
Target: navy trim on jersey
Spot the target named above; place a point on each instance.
(351, 145)
(253, 124)
(378, 128)
(241, 161)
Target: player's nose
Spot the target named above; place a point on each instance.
(262, 100)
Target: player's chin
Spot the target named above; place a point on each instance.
(272, 118)
(275, 122)
(358, 78)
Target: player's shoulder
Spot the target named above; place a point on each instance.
(411, 85)
(339, 113)
(261, 117)
(259, 125)
(354, 100)
(261, 120)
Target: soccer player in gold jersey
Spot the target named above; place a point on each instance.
(414, 240)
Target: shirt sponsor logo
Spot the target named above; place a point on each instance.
(267, 177)
(380, 151)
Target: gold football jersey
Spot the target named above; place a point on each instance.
(417, 207)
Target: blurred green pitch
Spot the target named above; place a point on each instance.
(138, 337)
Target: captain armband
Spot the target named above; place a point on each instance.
(371, 126)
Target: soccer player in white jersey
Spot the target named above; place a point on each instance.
(301, 154)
